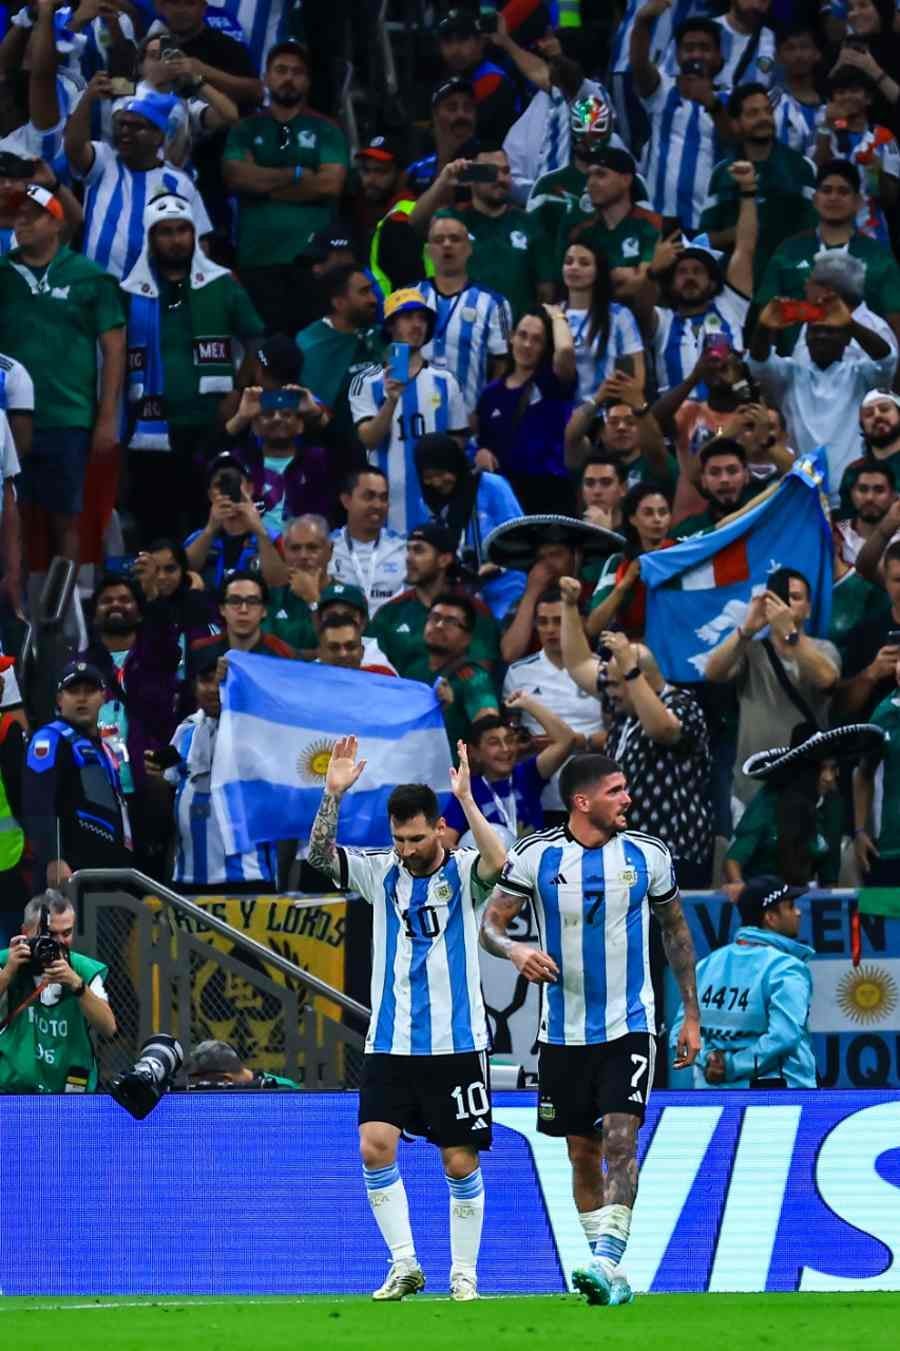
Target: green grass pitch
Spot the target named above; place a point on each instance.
(685, 1322)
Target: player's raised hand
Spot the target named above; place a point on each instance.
(461, 778)
(343, 770)
(688, 1047)
(536, 966)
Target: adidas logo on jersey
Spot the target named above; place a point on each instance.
(635, 1097)
(479, 1125)
(559, 881)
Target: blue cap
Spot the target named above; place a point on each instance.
(81, 672)
(155, 108)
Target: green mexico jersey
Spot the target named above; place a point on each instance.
(51, 319)
(551, 198)
(853, 601)
(399, 627)
(627, 244)
(788, 271)
(269, 231)
(505, 255)
(290, 619)
(755, 843)
(786, 182)
(331, 358)
(887, 717)
(473, 695)
(45, 1044)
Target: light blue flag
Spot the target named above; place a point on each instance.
(699, 591)
(279, 722)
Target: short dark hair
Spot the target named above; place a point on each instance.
(721, 445)
(245, 575)
(409, 799)
(892, 553)
(606, 457)
(459, 601)
(881, 467)
(353, 477)
(779, 579)
(698, 25)
(839, 168)
(337, 619)
(336, 280)
(551, 595)
(738, 97)
(851, 77)
(489, 722)
(290, 47)
(582, 771)
(111, 579)
(797, 29)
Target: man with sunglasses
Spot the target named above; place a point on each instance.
(287, 165)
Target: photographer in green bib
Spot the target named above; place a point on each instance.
(54, 999)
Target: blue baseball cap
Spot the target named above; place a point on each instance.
(155, 108)
(81, 673)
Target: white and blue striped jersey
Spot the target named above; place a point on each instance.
(759, 69)
(16, 386)
(796, 122)
(678, 340)
(426, 980)
(114, 207)
(594, 359)
(680, 155)
(259, 21)
(592, 911)
(661, 31)
(471, 326)
(431, 402)
(200, 857)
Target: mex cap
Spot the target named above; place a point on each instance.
(342, 593)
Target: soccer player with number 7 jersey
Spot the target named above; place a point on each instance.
(426, 1052)
(593, 883)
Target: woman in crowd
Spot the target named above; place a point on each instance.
(620, 598)
(522, 417)
(605, 334)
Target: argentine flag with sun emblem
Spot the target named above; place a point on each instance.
(278, 724)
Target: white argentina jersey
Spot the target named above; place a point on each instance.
(200, 857)
(678, 340)
(681, 153)
(378, 569)
(426, 981)
(662, 31)
(740, 66)
(593, 917)
(471, 326)
(114, 208)
(429, 403)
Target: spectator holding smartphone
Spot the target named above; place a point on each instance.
(843, 361)
(605, 334)
(234, 536)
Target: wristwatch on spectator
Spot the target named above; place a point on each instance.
(792, 638)
(80, 989)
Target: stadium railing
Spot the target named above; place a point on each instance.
(179, 968)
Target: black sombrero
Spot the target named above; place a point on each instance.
(852, 742)
(515, 543)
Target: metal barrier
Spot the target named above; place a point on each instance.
(167, 974)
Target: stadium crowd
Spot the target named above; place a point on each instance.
(278, 393)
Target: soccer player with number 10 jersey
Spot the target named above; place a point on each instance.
(426, 1052)
(592, 884)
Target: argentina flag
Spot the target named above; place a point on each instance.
(278, 724)
(698, 592)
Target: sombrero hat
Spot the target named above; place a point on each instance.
(515, 543)
(843, 743)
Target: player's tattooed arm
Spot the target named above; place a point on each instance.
(499, 913)
(343, 772)
(322, 851)
(679, 950)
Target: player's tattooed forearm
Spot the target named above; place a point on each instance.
(499, 913)
(679, 950)
(322, 852)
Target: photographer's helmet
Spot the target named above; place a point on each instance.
(591, 119)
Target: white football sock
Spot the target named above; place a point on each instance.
(387, 1197)
(466, 1219)
(607, 1230)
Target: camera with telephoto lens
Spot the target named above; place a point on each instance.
(43, 947)
(139, 1089)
